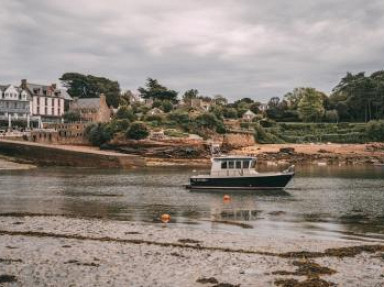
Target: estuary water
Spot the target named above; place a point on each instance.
(322, 201)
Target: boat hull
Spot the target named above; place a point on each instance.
(241, 182)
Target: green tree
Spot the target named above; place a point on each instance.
(138, 131)
(125, 113)
(190, 95)
(310, 106)
(88, 86)
(98, 134)
(167, 106)
(153, 90)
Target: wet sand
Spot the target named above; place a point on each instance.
(57, 251)
(7, 163)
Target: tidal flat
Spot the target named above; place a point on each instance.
(60, 251)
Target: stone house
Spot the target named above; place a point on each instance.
(248, 116)
(92, 109)
(155, 112)
(201, 104)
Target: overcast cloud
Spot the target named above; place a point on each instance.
(256, 49)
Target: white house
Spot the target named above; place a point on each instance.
(14, 105)
(249, 116)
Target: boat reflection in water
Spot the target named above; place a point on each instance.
(238, 173)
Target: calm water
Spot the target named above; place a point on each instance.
(321, 201)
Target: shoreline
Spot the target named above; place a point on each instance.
(62, 251)
(267, 154)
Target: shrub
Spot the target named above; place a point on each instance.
(126, 113)
(98, 134)
(375, 130)
(153, 118)
(137, 131)
(116, 126)
(179, 117)
(72, 116)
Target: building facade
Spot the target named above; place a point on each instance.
(48, 102)
(92, 109)
(15, 106)
(30, 105)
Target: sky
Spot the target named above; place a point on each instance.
(237, 48)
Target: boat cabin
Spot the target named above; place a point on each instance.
(233, 166)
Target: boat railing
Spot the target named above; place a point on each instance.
(290, 169)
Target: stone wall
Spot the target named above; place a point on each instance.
(238, 140)
(70, 133)
(55, 156)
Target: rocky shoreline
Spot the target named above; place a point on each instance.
(41, 250)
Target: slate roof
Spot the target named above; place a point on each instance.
(91, 103)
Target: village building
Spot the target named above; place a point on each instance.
(248, 116)
(48, 101)
(15, 105)
(92, 109)
(155, 112)
(201, 104)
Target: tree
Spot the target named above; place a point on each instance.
(156, 91)
(126, 98)
(220, 100)
(138, 131)
(331, 116)
(310, 106)
(362, 95)
(125, 113)
(190, 95)
(98, 134)
(88, 86)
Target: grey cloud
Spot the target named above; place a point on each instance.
(248, 48)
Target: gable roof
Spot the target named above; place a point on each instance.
(90, 103)
(249, 113)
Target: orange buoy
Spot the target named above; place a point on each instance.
(226, 198)
(165, 218)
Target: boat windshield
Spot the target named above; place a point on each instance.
(237, 164)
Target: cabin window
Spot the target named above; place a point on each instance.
(238, 164)
(224, 165)
(245, 164)
(231, 164)
(253, 164)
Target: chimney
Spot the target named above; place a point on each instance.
(24, 84)
(103, 99)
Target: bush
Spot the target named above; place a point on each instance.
(116, 126)
(154, 118)
(137, 131)
(98, 134)
(72, 116)
(178, 117)
(375, 130)
(261, 136)
(126, 113)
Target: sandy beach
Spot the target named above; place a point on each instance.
(39, 250)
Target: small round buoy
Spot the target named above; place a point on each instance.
(226, 198)
(165, 218)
